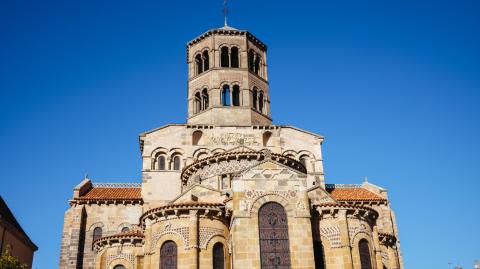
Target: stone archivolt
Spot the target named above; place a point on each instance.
(233, 162)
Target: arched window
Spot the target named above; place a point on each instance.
(255, 98)
(364, 251)
(260, 101)
(218, 256)
(205, 99)
(125, 229)
(168, 255)
(119, 266)
(226, 95)
(251, 60)
(266, 138)
(161, 162)
(199, 64)
(176, 163)
(196, 137)
(234, 57)
(318, 255)
(224, 57)
(303, 160)
(206, 60)
(198, 103)
(236, 95)
(97, 233)
(273, 233)
(257, 64)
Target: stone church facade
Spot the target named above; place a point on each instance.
(229, 189)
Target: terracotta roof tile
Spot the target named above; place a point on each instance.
(101, 193)
(354, 194)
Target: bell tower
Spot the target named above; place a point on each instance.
(228, 79)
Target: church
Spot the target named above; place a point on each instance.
(228, 189)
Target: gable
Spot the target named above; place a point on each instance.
(198, 192)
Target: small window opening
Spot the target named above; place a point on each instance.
(224, 57)
(226, 95)
(234, 57)
(236, 95)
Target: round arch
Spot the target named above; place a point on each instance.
(119, 261)
(272, 197)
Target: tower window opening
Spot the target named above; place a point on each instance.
(234, 57)
(255, 98)
(260, 102)
(198, 103)
(224, 61)
(226, 95)
(199, 64)
(251, 57)
(257, 64)
(206, 60)
(236, 95)
(205, 99)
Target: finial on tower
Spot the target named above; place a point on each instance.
(225, 12)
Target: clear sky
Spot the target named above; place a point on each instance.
(394, 86)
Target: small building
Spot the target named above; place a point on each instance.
(13, 238)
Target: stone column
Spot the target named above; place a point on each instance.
(346, 250)
(147, 260)
(376, 248)
(393, 257)
(193, 240)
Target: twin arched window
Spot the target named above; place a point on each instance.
(119, 266)
(254, 61)
(258, 100)
(202, 62)
(229, 57)
(228, 100)
(161, 164)
(201, 101)
(168, 255)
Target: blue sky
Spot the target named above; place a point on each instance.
(394, 86)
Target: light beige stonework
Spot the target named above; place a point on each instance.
(204, 182)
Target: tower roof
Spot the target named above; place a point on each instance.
(227, 30)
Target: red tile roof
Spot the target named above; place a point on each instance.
(103, 193)
(354, 194)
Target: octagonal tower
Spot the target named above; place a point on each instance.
(227, 79)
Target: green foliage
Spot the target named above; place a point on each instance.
(7, 261)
